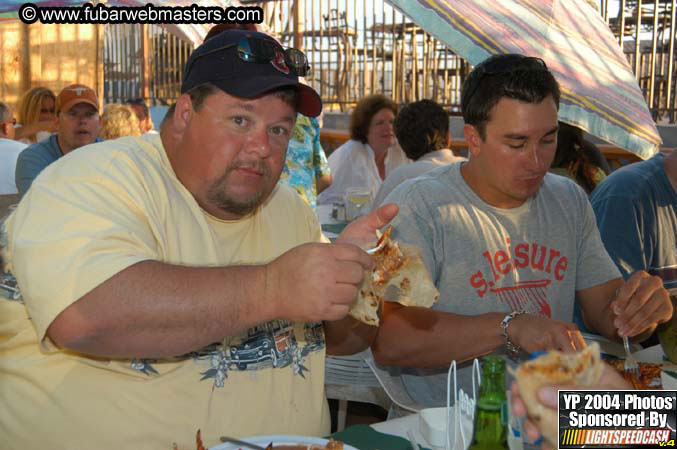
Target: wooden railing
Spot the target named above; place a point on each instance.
(332, 138)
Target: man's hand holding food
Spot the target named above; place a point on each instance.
(547, 395)
(320, 282)
(348, 335)
(315, 281)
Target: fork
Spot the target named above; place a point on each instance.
(243, 443)
(380, 245)
(630, 365)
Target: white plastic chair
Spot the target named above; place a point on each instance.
(394, 388)
(349, 378)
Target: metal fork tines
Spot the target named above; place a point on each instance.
(244, 444)
(630, 364)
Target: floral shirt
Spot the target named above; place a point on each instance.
(305, 159)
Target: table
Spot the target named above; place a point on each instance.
(392, 435)
(388, 435)
(399, 427)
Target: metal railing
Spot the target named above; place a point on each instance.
(357, 48)
(647, 31)
(143, 61)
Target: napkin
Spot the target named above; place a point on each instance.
(365, 437)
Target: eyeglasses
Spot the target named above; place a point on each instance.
(513, 63)
(259, 50)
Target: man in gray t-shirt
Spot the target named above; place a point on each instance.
(509, 246)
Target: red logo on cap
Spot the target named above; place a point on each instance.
(279, 63)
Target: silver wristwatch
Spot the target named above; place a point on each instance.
(512, 348)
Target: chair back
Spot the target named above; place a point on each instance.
(349, 378)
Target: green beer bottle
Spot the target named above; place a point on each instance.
(491, 413)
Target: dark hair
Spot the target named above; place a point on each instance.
(514, 76)
(138, 102)
(199, 94)
(422, 127)
(365, 110)
(578, 156)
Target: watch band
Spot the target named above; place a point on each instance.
(510, 345)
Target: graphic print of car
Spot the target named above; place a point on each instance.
(256, 352)
(285, 344)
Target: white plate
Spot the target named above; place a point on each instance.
(279, 439)
(669, 379)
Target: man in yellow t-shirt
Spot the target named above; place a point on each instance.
(170, 284)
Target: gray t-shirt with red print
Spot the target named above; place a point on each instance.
(487, 259)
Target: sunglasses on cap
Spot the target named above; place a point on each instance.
(260, 50)
(511, 63)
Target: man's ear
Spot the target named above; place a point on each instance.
(3, 128)
(183, 112)
(472, 138)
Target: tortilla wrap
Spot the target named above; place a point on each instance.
(582, 369)
(410, 285)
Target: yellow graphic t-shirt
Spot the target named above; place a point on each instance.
(90, 215)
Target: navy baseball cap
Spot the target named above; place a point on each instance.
(218, 62)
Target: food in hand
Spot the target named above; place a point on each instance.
(582, 369)
(399, 275)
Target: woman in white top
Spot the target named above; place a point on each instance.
(371, 153)
(422, 130)
(37, 115)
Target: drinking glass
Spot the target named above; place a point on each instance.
(357, 202)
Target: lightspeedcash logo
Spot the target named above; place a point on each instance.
(617, 419)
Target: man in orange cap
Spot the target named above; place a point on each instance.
(77, 124)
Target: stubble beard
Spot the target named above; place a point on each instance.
(221, 197)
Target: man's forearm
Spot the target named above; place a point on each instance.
(425, 338)
(152, 309)
(348, 336)
(322, 183)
